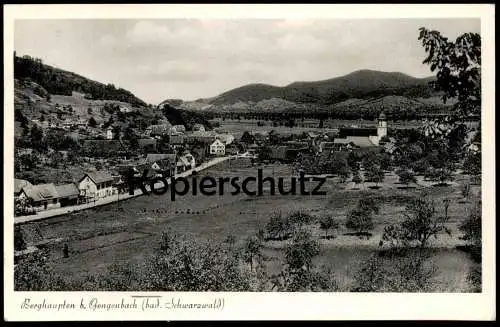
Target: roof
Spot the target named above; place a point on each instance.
(19, 184)
(67, 190)
(226, 138)
(41, 192)
(177, 139)
(278, 152)
(153, 157)
(99, 176)
(382, 116)
(341, 141)
(326, 145)
(185, 159)
(361, 141)
(217, 142)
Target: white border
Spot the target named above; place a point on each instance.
(270, 306)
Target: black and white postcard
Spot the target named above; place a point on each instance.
(186, 162)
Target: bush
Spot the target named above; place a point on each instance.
(421, 222)
(406, 176)
(300, 253)
(471, 228)
(279, 227)
(410, 272)
(326, 223)
(359, 220)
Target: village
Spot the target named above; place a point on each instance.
(100, 186)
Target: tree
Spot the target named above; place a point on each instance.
(369, 204)
(406, 176)
(421, 222)
(92, 122)
(441, 175)
(19, 243)
(251, 250)
(374, 174)
(279, 227)
(247, 138)
(357, 178)
(472, 164)
(465, 190)
(458, 66)
(359, 220)
(300, 253)
(471, 228)
(326, 223)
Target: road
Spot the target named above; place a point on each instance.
(110, 199)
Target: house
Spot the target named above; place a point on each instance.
(67, 194)
(163, 163)
(178, 129)
(42, 196)
(232, 149)
(204, 137)
(159, 129)
(326, 146)
(109, 133)
(226, 138)
(185, 162)
(147, 144)
(19, 184)
(105, 148)
(177, 140)
(199, 127)
(96, 185)
(217, 148)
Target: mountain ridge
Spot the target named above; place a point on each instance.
(364, 83)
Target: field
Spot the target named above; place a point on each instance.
(129, 231)
(237, 127)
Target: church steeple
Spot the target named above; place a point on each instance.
(382, 125)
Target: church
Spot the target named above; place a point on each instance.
(362, 137)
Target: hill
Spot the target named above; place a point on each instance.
(62, 82)
(360, 84)
(183, 117)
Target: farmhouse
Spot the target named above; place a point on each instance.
(198, 127)
(200, 137)
(185, 162)
(42, 196)
(68, 194)
(226, 138)
(178, 129)
(163, 163)
(19, 184)
(96, 185)
(159, 129)
(217, 148)
(177, 140)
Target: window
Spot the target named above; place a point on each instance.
(54, 201)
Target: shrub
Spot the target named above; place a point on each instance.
(279, 227)
(359, 220)
(328, 222)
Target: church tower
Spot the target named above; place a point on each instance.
(382, 126)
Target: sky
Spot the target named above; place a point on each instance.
(195, 58)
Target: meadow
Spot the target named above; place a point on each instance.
(127, 232)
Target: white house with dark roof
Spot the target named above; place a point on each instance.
(96, 185)
(217, 148)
